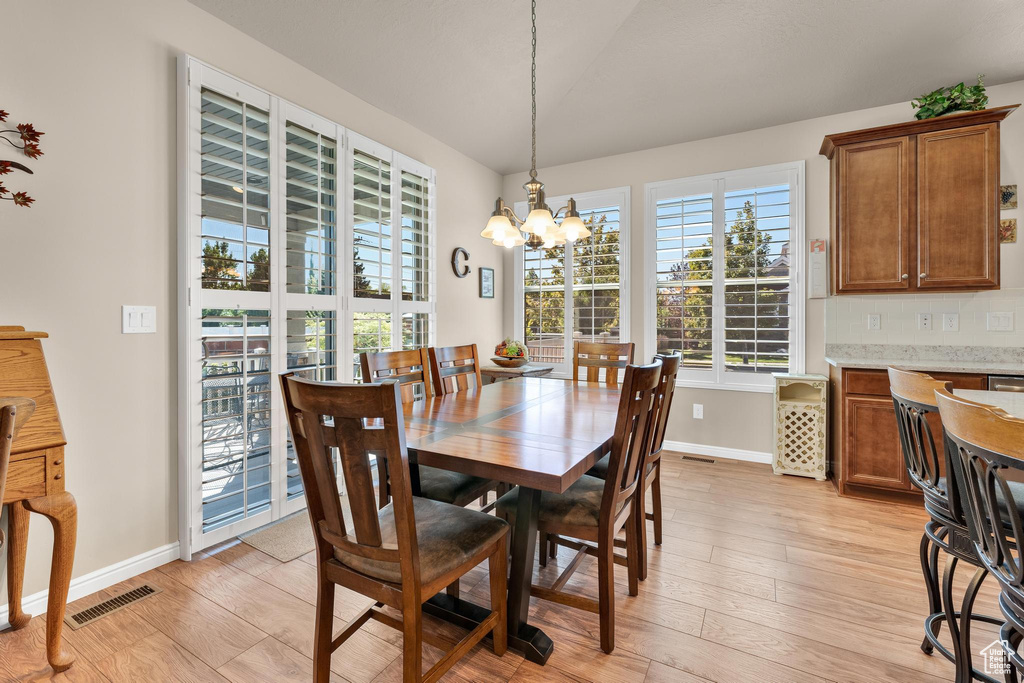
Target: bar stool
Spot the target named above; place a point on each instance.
(986, 444)
(927, 460)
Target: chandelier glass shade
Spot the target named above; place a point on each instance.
(540, 228)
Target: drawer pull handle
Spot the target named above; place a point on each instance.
(904, 276)
(57, 462)
(57, 476)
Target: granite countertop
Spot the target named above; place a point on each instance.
(976, 359)
(1010, 401)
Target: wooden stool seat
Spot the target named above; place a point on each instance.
(448, 536)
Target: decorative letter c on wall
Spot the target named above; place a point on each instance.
(462, 271)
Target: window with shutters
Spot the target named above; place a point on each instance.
(724, 257)
(578, 291)
(302, 245)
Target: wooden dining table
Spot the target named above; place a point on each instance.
(537, 433)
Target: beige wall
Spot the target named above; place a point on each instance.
(99, 78)
(736, 419)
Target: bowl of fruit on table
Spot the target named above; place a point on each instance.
(511, 354)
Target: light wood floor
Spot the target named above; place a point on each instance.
(760, 578)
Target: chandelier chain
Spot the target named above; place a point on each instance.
(533, 91)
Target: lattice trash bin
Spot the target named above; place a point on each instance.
(801, 410)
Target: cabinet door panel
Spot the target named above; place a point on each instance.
(958, 188)
(874, 216)
(872, 454)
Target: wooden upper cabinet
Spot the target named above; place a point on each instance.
(958, 196)
(915, 206)
(874, 202)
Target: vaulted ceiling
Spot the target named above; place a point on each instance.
(621, 75)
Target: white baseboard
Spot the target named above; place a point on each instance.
(718, 451)
(99, 579)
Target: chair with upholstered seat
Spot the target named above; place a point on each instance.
(594, 510)
(400, 555)
(986, 447)
(412, 370)
(652, 469)
(597, 356)
(928, 464)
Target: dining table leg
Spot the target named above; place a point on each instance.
(531, 641)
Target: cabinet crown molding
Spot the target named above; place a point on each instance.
(958, 120)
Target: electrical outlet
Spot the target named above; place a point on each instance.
(874, 321)
(1000, 322)
(950, 322)
(924, 321)
(698, 411)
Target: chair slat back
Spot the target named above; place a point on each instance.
(410, 368)
(357, 420)
(913, 396)
(987, 444)
(666, 390)
(596, 355)
(635, 425)
(452, 367)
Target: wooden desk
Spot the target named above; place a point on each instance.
(35, 483)
(540, 434)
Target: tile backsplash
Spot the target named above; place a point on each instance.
(846, 318)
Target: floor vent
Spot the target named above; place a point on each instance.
(87, 616)
(697, 458)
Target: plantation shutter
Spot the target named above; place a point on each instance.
(235, 172)
(757, 278)
(311, 211)
(371, 227)
(724, 249)
(595, 278)
(684, 251)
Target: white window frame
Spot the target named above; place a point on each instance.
(718, 184)
(585, 201)
(193, 75)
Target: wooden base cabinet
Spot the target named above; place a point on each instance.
(866, 459)
(915, 206)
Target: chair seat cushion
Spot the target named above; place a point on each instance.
(446, 486)
(600, 468)
(1016, 492)
(447, 535)
(579, 505)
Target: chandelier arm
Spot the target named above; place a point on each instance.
(512, 216)
(556, 214)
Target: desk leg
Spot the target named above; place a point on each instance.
(62, 511)
(17, 545)
(529, 640)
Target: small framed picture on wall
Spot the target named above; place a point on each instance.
(486, 283)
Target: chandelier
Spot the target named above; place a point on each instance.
(505, 228)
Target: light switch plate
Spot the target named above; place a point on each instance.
(698, 411)
(138, 319)
(1000, 322)
(950, 322)
(874, 321)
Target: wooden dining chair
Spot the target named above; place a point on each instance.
(452, 366)
(597, 355)
(400, 555)
(14, 412)
(987, 455)
(594, 510)
(412, 369)
(652, 468)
